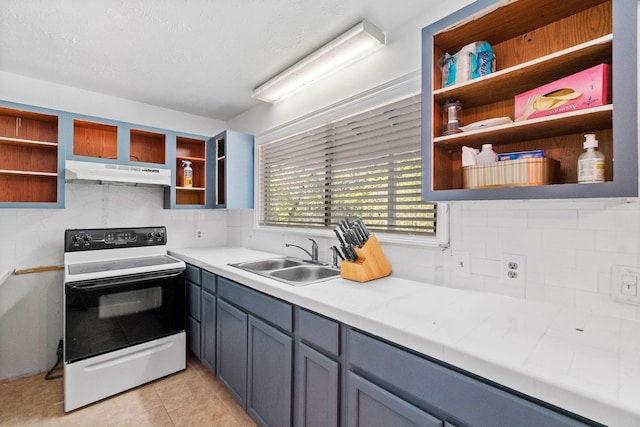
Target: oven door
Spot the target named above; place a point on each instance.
(104, 315)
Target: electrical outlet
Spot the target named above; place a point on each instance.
(625, 282)
(462, 263)
(197, 235)
(513, 269)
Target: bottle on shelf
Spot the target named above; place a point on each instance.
(487, 155)
(591, 162)
(188, 174)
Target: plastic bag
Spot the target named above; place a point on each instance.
(472, 61)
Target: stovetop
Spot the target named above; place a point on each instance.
(119, 264)
(111, 252)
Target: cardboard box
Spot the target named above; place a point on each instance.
(520, 155)
(588, 88)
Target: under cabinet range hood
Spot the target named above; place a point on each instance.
(109, 173)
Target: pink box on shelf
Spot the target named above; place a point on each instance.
(585, 89)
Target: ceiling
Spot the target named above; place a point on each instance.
(202, 57)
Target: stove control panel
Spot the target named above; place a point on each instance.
(87, 239)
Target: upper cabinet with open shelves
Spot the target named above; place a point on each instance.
(30, 162)
(115, 142)
(535, 42)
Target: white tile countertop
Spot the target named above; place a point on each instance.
(583, 362)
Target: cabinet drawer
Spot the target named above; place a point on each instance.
(370, 405)
(193, 274)
(208, 282)
(268, 308)
(318, 331)
(431, 385)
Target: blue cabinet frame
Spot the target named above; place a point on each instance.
(624, 60)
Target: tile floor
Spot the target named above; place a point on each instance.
(192, 397)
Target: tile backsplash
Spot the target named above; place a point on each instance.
(569, 247)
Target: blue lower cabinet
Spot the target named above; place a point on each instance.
(369, 405)
(208, 331)
(193, 300)
(452, 395)
(270, 366)
(193, 311)
(231, 348)
(254, 352)
(193, 336)
(317, 389)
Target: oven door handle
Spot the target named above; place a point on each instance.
(114, 282)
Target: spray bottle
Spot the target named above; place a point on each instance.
(188, 174)
(591, 162)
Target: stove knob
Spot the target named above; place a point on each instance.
(149, 236)
(86, 238)
(75, 238)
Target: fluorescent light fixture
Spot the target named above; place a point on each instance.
(356, 43)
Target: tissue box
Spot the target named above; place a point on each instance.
(588, 88)
(521, 155)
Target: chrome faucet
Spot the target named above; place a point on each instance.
(314, 250)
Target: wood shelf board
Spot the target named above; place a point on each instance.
(587, 120)
(29, 142)
(191, 188)
(146, 133)
(187, 140)
(504, 21)
(28, 173)
(84, 124)
(28, 115)
(191, 159)
(512, 81)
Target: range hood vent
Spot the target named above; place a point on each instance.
(108, 173)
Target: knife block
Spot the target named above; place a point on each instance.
(371, 263)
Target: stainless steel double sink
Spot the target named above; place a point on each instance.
(289, 270)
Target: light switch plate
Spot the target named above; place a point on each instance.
(624, 284)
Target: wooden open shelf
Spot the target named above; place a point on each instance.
(534, 43)
(93, 139)
(193, 150)
(520, 78)
(147, 147)
(587, 120)
(29, 160)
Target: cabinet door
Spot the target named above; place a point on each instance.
(32, 159)
(371, 406)
(232, 153)
(316, 397)
(193, 336)
(193, 300)
(270, 375)
(208, 331)
(231, 347)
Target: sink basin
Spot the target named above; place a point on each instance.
(269, 264)
(292, 271)
(305, 273)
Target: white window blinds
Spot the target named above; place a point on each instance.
(367, 165)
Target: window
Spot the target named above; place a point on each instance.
(367, 165)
